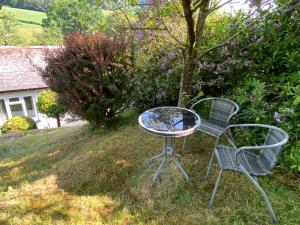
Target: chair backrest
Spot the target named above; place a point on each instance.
(277, 138)
(222, 110)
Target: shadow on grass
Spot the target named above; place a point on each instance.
(112, 162)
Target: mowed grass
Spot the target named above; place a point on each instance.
(24, 15)
(28, 25)
(79, 176)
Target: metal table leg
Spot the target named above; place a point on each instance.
(169, 151)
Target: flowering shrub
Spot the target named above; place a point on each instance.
(156, 79)
(251, 97)
(157, 68)
(267, 51)
(259, 69)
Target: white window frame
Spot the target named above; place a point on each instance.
(21, 101)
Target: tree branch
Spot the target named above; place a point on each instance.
(218, 6)
(168, 30)
(197, 5)
(144, 28)
(188, 14)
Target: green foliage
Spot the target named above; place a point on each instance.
(48, 104)
(251, 97)
(7, 27)
(92, 76)
(74, 15)
(18, 123)
(27, 29)
(157, 74)
(51, 35)
(267, 51)
(295, 156)
(38, 5)
(26, 16)
(259, 69)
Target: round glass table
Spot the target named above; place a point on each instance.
(170, 123)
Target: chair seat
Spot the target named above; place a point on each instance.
(211, 128)
(227, 161)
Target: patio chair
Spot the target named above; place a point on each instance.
(252, 161)
(221, 111)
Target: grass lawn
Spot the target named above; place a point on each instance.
(26, 15)
(76, 176)
(29, 25)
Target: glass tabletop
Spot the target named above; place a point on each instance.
(169, 121)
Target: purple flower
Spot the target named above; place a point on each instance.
(246, 63)
(161, 1)
(169, 72)
(276, 117)
(260, 39)
(224, 50)
(234, 43)
(140, 35)
(201, 66)
(164, 64)
(134, 24)
(196, 87)
(243, 53)
(160, 95)
(253, 2)
(172, 55)
(150, 2)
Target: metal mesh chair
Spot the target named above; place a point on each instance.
(252, 161)
(221, 111)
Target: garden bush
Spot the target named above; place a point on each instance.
(156, 79)
(91, 75)
(157, 68)
(259, 69)
(48, 103)
(18, 123)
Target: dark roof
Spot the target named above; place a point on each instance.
(16, 68)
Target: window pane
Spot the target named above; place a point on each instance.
(16, 110)
(29, 106)
(14, 99)
(3, 112)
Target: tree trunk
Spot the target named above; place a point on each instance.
(58, 120)
(186, 79)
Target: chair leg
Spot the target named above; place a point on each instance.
(213, 196)
(209, 166)
(216, 142)
(254, 181)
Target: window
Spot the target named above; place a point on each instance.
(16, 110)
(14, 100)
(3, 112)
(29, 106)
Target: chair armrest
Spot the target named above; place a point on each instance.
(261, 147)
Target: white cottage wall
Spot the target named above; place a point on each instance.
(42, 121)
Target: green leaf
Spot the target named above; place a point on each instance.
(296, 101)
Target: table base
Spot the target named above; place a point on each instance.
(169, 151)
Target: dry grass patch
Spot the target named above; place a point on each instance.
(76, 176)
